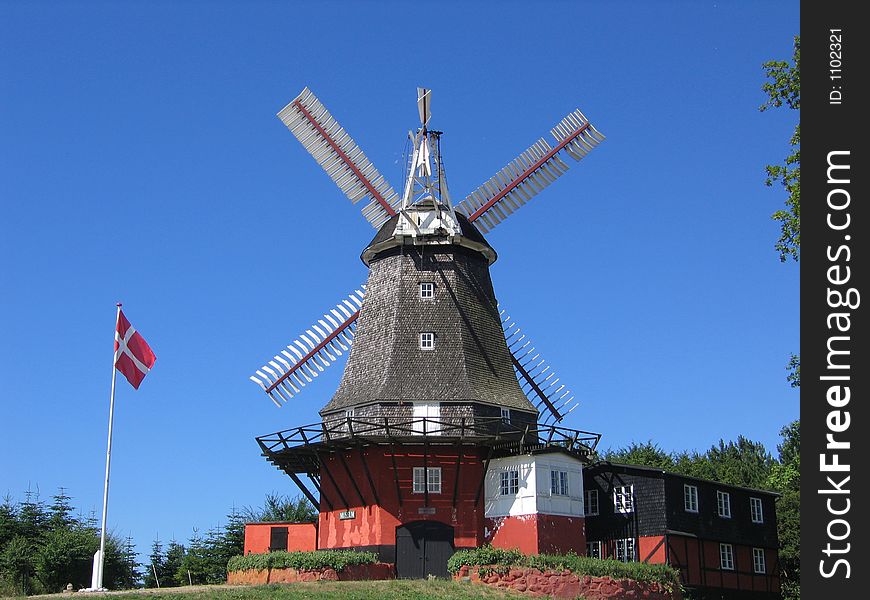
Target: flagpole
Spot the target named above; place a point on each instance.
(98, 569)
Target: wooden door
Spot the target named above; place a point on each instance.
(422, 549)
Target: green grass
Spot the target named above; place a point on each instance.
(335, 590)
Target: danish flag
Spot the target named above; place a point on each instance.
(133, 355)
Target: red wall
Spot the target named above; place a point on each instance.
(652, 549)
(538, 534)
(300, 536)
(375, 524)
(690, 555)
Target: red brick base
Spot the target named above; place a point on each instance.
(350, 573)
(565, 584)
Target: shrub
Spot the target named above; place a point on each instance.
(580, 565)
(302, 561)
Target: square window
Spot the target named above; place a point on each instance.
(591, 502)
(509, 484)
(593, 549)
(427, 289)
(723, 504)
(427, 418)
(758, 563)
(505, 415)
(625, 550)
(690, 498)
(558, 483)
(427, 340)
(726, 557)
(755, 510)
(434, 480)
(420, 480)
(623, 499)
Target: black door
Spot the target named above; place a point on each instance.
(278, 538)
(422, 549)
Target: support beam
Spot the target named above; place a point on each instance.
(425, 466)
(325, 469)
(456, 477)
(351, 477)
(396, 473)
(302, 487)
(365, 465)
(483, 477)
(323, 496)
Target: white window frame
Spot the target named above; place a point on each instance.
(427, 290)
(558, 482)
(723, 504)
(756, 509)
(759, 563)
(509, 482)
(593, 549)
(432, 477)
(427, 340)
(690, 498)
(588, 506)
(726, 557)
(427, 414)
(624, 550)
(505, 415)
(623, 499)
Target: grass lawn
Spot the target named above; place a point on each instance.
(402, 589)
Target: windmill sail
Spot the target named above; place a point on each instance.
(340, 157)
(539, 382)
(533, 170)
(317, 348)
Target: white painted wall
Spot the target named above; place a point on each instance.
(534, 486)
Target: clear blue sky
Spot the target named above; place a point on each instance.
(141, 161)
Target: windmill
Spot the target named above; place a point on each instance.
(439, 381)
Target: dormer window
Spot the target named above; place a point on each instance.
(427, 340)
(427, 289)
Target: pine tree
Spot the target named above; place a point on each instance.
(156, 565)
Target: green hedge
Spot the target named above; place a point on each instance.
(302, 561)
(580, 565)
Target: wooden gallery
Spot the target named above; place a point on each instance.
(444, 431)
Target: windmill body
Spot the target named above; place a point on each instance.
(442, 433)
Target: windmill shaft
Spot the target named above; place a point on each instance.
(365, 180)
(314, 351)
(535, 387)
(518, 180)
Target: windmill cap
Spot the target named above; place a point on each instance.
(386, 239)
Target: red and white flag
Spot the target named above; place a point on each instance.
(133, 355)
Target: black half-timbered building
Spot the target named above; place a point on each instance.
(721, 537)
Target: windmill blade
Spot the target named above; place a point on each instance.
(539, 382)
(533, 170)
(340, 157)
(314, 350)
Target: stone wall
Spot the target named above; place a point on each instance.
(566, 584)
(371, 572)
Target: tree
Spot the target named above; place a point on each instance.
(16, 566)
(648, 454)
(194, 565)
(175, 554)
(280, 508)
(783, 88)
(154, 573)
(786, 479)
(65, 556)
